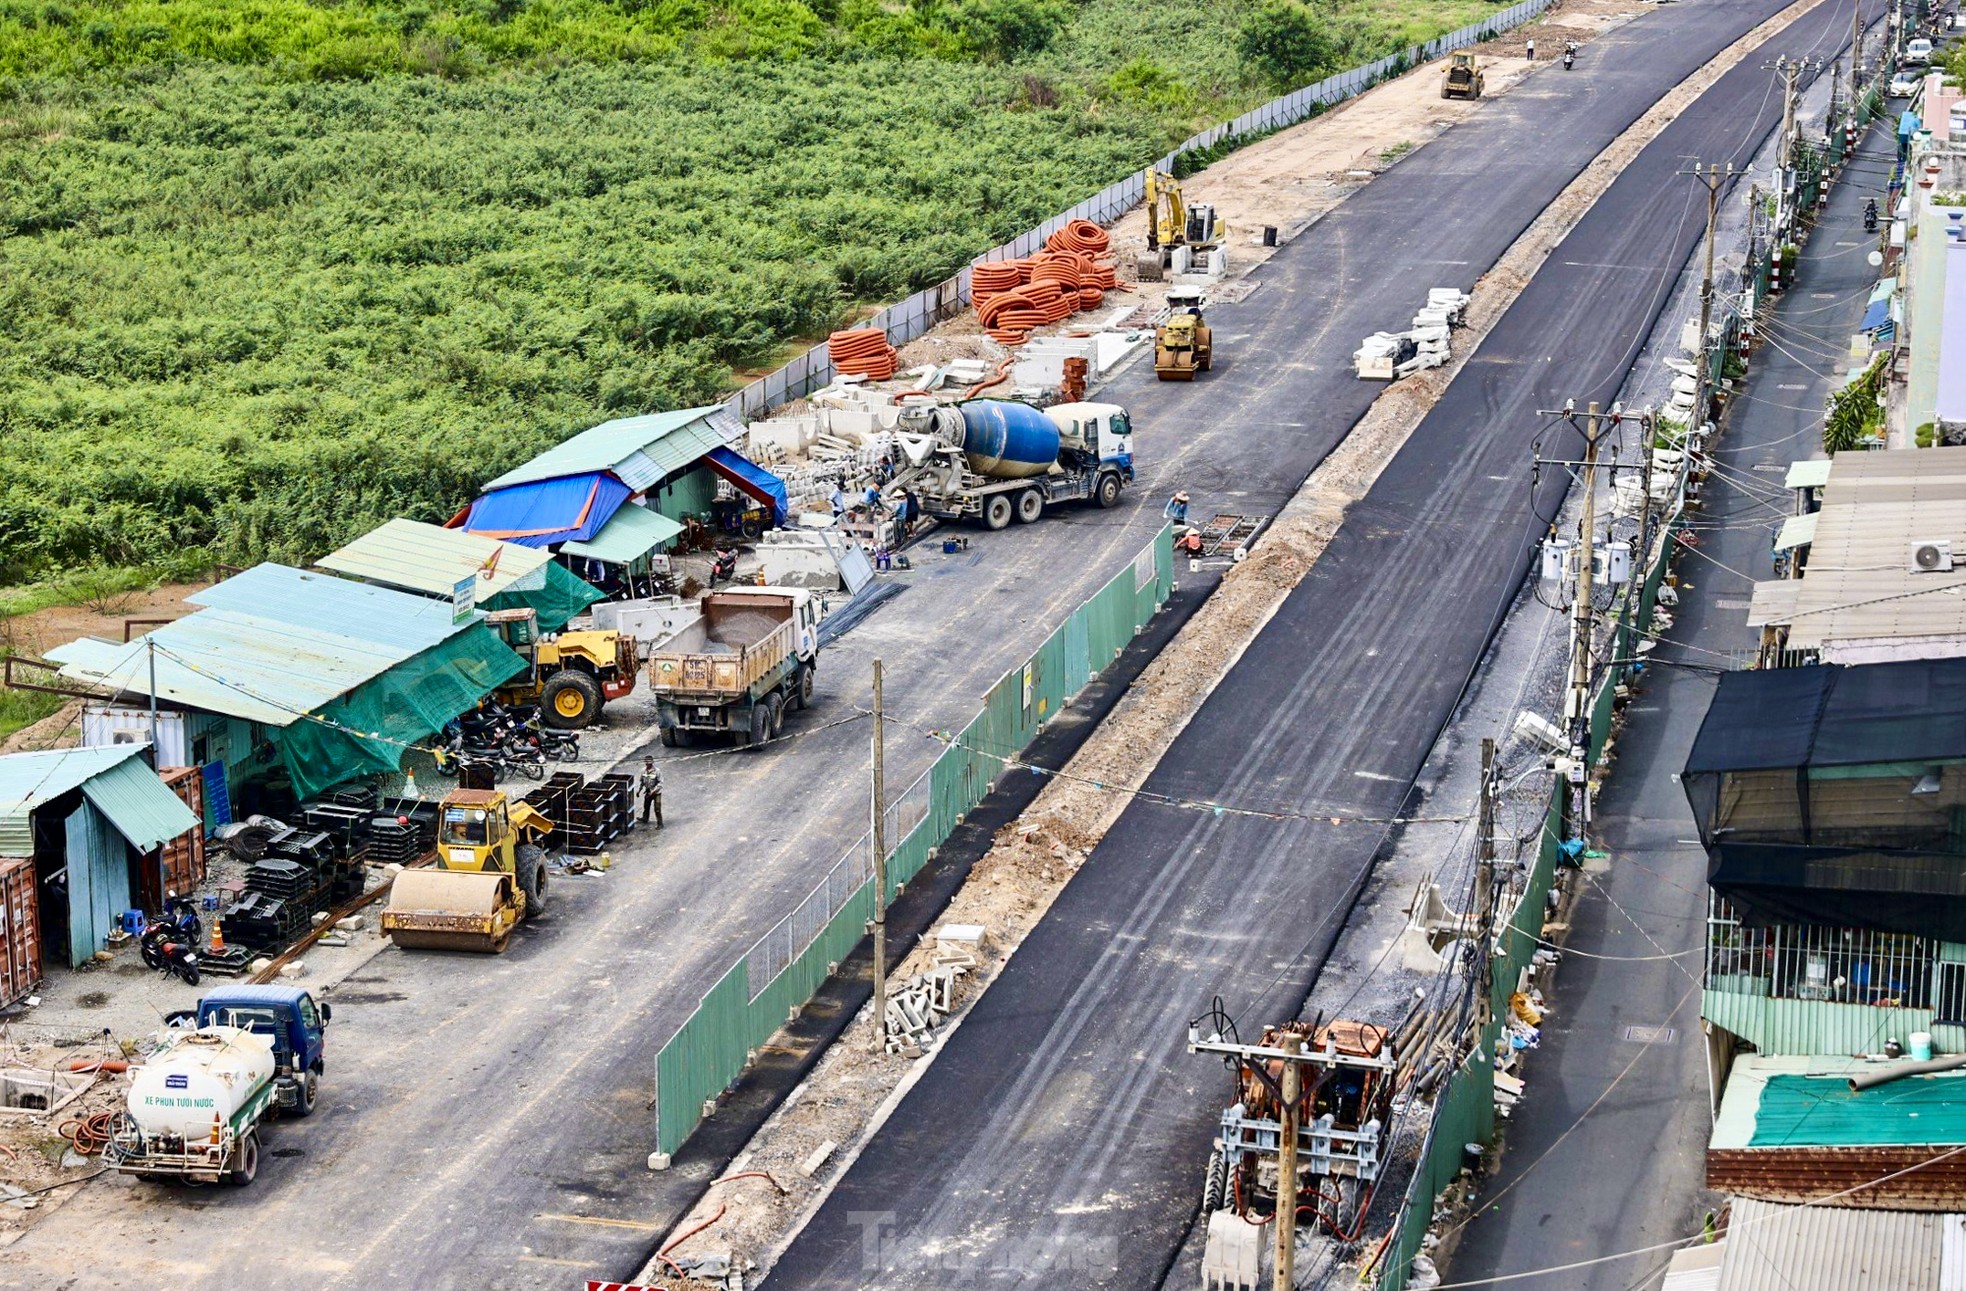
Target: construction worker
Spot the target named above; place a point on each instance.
(651, 792)
(1189, 543)
(1532, 49)
(1177, 508)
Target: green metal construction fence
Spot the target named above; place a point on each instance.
(786, 966)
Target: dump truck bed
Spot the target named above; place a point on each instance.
(738, 641)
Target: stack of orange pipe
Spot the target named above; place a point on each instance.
(862, 352)
(1016, 297)
(1082, 236)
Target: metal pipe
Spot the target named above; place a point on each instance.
(1872, 1079)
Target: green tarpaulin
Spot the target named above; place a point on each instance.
(564, 595)
(365, 731)
(1817, 1111)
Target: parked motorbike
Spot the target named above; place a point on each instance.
(164, 949)
(724, 567)
(1870, 217)
(563, 746)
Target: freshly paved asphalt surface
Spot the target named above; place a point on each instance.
(1059, 1138)
(486, 1121)
(1595, 1095)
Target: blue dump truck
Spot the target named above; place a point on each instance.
(246, 1055)
(995, 460)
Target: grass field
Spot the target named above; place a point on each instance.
(271, 272)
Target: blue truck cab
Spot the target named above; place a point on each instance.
(291, 1019)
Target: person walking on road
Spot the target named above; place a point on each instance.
(1177, 508)
(651, 792)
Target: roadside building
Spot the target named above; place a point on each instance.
(1831, 801)
(290, 682)
(1875, 577)
(465, 569)
(615, 496)
(82, 834)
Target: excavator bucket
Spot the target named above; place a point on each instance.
(451, 910)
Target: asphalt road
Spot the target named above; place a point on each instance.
(1596, 1095)
(1059, 1139)
(486, 1121)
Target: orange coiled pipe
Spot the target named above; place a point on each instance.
(862, 352)
(1079, 235)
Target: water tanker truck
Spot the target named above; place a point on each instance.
(194, 1110)
(996, 461)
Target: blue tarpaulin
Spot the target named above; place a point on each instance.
(752, 479)
(1876, 316)
(570, 508)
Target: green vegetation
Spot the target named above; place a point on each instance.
(272, 271)
(1855, 418)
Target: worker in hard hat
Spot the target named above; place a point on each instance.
(1177, 508)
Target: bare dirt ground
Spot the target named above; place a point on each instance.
(37, 1161)
(848, 1094)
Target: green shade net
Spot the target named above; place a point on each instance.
(1813, 1111)
(363, 732)
(564, 595)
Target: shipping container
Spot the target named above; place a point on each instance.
(184, 856)
(20, 931)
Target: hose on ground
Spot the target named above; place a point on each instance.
(88, 1134)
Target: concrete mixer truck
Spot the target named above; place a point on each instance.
(195, 1108)
(996, 461)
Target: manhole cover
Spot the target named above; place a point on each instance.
(1650, 1035)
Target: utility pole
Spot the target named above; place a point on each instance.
(1856, 53)
(1713, 177)
(1577, 703)
(1286, 1216)
(880, 868)
(1485, 885)
(150, 649)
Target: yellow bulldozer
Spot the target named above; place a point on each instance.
(1183, 345)
(570, 675)
(490, 875)
(1462, 79)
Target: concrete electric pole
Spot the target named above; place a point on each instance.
(1485, 885)
(880, 867)
(1286, 1216)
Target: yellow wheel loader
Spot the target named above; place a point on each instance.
(490, 874)
(571, 676)
(1462, 79)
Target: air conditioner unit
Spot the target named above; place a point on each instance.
(1933, 556)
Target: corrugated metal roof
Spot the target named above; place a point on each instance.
(1857, 585)
(1812, 474)
(1797, 531)
(398, 621)
(115, 772)
(634, 532)
(1696, 1268)
(429, 558)
(273, 644)
(631, 447)
(1773, 602)
(1773, 1247)
(138, 804)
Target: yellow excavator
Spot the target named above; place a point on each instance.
(1183, 345)
(1462, 79)
(490, 875)
(1171, 224)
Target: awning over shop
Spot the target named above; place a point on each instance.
(1774, 602)
(1807, 475)
(1797, 531)
(1876, 316)
(569, 508)
(750, 478)
(634, 532)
